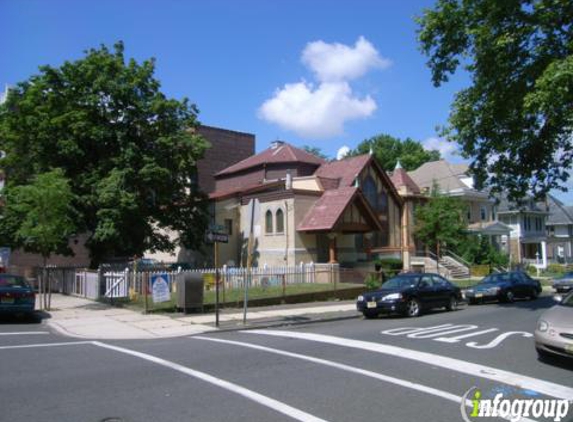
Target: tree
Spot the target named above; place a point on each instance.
(39, 217)
(440, 222)
(129, 152)
(315, 151)
(388, 150)
(515, 120)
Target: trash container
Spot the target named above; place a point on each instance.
(189, 291)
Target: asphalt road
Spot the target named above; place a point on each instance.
(387, 369)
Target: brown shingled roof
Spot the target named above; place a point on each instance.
(345, 170)
(282, 153)
(326, 212)
(401, 178)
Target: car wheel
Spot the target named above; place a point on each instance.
(472, 301)
(413, 308)
(370, 314)
(509, 297)
(453, 304)
(534, 294)
(543, 355)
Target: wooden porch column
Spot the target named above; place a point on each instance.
(332, 258)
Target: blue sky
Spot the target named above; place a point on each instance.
(264, 67)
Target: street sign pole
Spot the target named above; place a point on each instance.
(217, 284)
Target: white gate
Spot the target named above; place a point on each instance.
(116, 284)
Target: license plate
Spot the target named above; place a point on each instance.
(371, 305)
(478, 295)
(7, 300)
(569, 348)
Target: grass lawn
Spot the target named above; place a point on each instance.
(233, 296)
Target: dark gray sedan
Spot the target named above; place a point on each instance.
(564, 283)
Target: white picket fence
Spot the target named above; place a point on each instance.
(234, 277)
(86, 284)
(118, 284)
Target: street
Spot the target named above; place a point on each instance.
(390, 369)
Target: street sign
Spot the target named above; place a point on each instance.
(160, 288)
(213, 237)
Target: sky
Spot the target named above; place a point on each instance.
(323, 73)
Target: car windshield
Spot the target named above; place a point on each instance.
(496, 278)
(567, 301)
(12, 281)
(400, 282)
(566, 275)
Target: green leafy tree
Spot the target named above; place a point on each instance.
(315, 151)
(129, 152)
(388, 150)
(479, 250)
(440, 222)
(515, 120)
(39, 217)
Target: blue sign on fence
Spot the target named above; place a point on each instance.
(160, 288)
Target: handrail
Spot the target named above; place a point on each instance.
(458, 258)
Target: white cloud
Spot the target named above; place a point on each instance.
(316, 112)
(448, 150)
(321, 111)
(339, 62)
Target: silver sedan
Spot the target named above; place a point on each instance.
(554, 332)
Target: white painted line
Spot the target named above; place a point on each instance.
(32, 346)
(24, 333)
(273, 404)
(472, 369)
(376, 375)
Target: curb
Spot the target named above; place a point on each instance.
(281, 324)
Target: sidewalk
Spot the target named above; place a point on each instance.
(83, 318)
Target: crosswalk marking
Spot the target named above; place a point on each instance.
(473, 369)
(273, 404)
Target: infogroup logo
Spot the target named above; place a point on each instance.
(513, 409)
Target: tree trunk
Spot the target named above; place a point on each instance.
(438, 257)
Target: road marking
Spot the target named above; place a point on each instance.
(457, 339)
(31, 346)
(441, 331)
(496, 341)
(437, 333)
(472, 369)
(24, 333)
(376, 375)
(273, 404)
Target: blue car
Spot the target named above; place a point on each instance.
(16, 295)
(504, 287)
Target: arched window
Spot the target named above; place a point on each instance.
(280, 221)
(370, 192)
(269, 222)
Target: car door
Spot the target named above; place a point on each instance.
(443, 290)
(519, 285)
(426, 291)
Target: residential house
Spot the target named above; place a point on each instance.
(454, 180)
(527, 243)
(297, 207)
(559, 231)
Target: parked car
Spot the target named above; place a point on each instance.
(410, 295)
(504, 287)
(16, 295)
(564, 283)
(554, 331)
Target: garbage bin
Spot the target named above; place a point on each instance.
(189, 291)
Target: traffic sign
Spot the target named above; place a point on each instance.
(213, 237)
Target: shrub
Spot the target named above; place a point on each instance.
(389, 263)
(372, 282)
